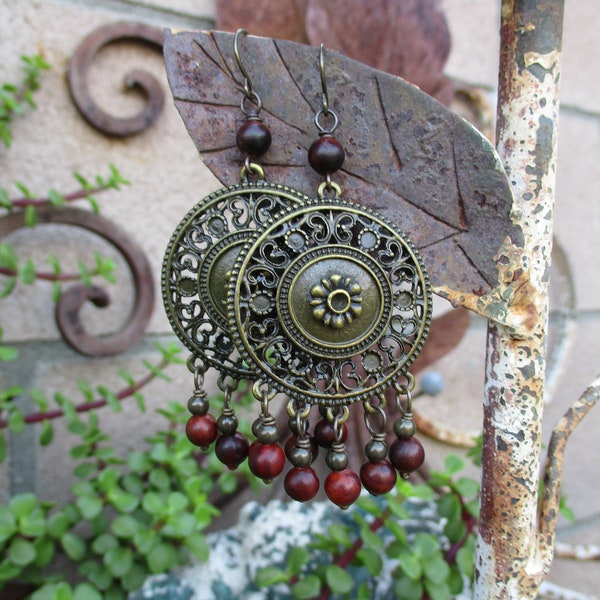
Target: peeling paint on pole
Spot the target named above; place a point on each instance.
(508, 562)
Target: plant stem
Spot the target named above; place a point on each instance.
(45, 276)
(37, 417)
(72, 197)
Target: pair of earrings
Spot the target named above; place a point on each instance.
(321, 300)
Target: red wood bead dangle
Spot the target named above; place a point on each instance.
(202, 430)
(266, 461)
(342, 487)
(253, 137)
(378, 477)
(301, 484)
(326, 154)
(407, 454)
(324, 433)
(232, 449)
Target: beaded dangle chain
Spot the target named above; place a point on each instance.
(196, 271)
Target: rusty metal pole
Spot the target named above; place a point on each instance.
(512, 558)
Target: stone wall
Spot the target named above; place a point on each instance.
(167, 178)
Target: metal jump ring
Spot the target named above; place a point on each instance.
(329, 185)
(261, 391)
(372, 430)
(254, 168)
(327, 113)
(254, 98)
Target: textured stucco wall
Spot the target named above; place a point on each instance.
(167, 178)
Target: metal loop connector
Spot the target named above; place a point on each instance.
(251, 168)
(338, 414)
(329, 185)
(293, 409)
(261, 391)
(378, 413)
(406, 391)
(227, 382)
(196, 364)
(323, 130)
(253, 98)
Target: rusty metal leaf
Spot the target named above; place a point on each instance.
(407, 156)
(409, 38)
(282, 19)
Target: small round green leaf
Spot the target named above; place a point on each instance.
(73, 546)
(438, 591)
(119, 560)
(371, 559)
(297, 557)
(410, 565)
(85, 591)
(436, 570)
(198, 546)
(125, 526)
(307, 588)
(103, 543)
(269, 576)
(338, 580)
(162, 558)
(90, 506)
(145, 540)
(21, 552)
(408, 589)
(22, 504)
(153, 504)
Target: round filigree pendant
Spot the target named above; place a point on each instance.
(329, 303)
(198, 263)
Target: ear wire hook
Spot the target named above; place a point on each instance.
(249, 92)
(325, 111)
(325, 100)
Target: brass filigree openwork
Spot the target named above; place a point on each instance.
(329, 303)
(198, 261)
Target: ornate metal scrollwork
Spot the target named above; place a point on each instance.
(72, 300)
(137, 79)
(329, 303)
(198, 262)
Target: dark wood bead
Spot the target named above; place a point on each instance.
(324, 433)
(253, 138)
(378, 477)
(326, 155)
(301, 484)
(232, 450)
(342, 487)
(266, 461)
(407, 454)
(202, 430)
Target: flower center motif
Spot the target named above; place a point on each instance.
(336, 301)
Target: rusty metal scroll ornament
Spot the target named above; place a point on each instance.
(72, 300)
(137, 79)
